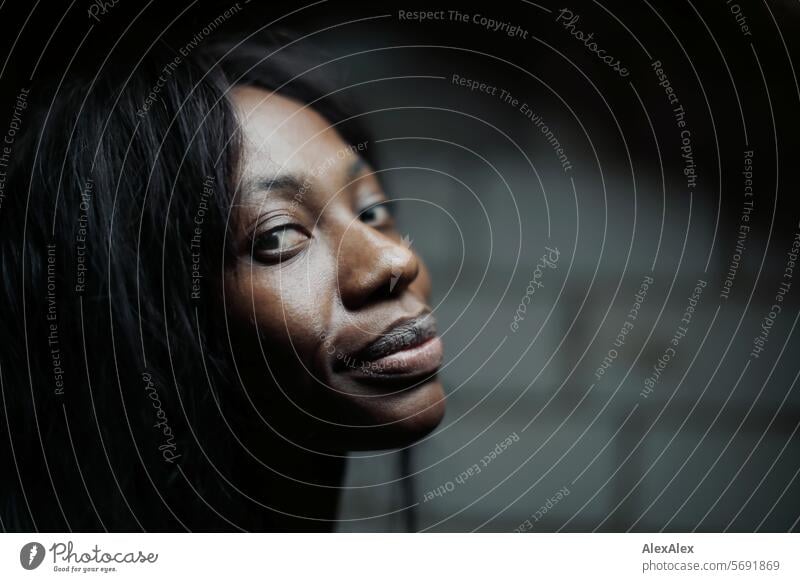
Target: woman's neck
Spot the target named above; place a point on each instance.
(301, 488)
(306, 497)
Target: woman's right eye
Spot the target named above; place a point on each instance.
(280, 241)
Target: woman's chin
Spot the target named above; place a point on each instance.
(392, 420)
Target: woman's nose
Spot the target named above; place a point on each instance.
(373, 266)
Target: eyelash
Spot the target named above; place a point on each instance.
(279, 254)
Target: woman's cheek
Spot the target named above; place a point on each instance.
(286, 306)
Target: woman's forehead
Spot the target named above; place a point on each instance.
(281, 134)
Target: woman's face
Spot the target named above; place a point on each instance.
(327, 302)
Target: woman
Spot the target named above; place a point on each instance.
(206, 300)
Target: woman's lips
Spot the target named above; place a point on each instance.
(414, 361)
(409, 349)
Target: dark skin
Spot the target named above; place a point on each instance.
(321, 272)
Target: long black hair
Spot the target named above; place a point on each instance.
(115, 374)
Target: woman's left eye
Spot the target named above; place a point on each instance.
(377, 215)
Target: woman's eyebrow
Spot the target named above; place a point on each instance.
(357, 167)
(265, 183)
(296, 182)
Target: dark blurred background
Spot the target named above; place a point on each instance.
(482, 193)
